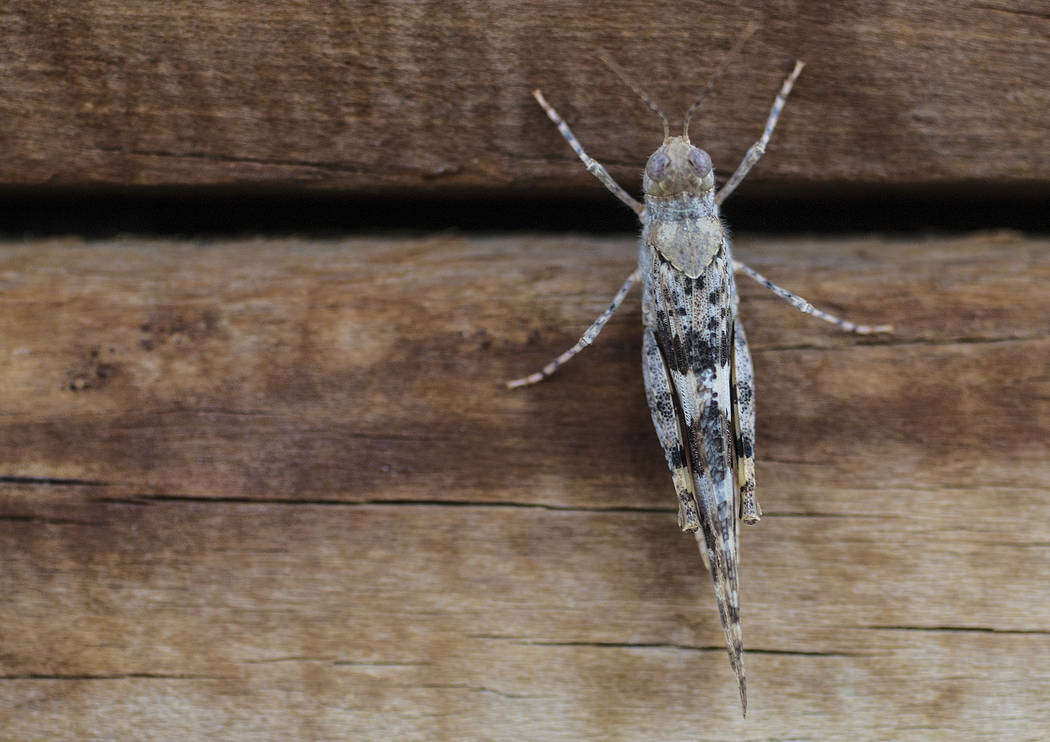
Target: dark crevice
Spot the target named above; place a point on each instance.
(223, 211)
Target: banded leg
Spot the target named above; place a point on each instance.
(593, 166)
(583, 342)
(743, 394)
(759, 148)
(805, 307)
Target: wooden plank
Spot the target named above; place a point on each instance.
(272, 489)
(378, 97)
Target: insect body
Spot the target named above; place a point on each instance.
(696, 365)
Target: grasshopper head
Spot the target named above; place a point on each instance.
(678, 168)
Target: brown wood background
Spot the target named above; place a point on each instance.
(275, 489)
(433, 96)
(271, 488)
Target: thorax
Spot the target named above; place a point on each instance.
(686, 230)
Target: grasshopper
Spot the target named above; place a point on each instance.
(699, 380)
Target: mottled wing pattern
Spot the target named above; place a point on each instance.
(691, 321)
(744, 424)
(667, 416)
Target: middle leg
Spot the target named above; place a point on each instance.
(583, 342)
(805, 307)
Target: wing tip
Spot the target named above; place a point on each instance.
(736, 661)
(729, 613)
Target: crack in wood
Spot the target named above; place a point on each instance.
(51, 481)
(956, 629)
(114, 676)
(686, 648)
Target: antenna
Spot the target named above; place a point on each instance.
(637, 91)
(751, 28)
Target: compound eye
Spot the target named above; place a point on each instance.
(701, 161)
(657, 166)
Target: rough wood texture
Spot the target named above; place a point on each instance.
(381, 96)
(276, 490)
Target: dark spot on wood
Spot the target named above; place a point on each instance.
(78, 383)
(210, 319)
(181, 328)
(91, 374)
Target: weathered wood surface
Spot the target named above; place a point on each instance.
(377, 96)
(275, 489)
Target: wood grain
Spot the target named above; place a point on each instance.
(378, 97)
(273, 489)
